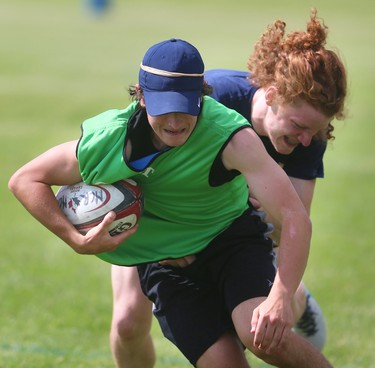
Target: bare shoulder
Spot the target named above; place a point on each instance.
(246, 136)
(244, 148)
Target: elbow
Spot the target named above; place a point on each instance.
(14, 183)
(302, 224)
(308, 225)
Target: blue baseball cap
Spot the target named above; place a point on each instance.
(171, 77)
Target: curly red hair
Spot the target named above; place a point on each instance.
(301, 68)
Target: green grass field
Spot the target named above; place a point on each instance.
(59, 66)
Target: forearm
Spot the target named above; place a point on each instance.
(32, 186)
(39, 200)
(293, 254)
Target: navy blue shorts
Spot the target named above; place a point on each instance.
(193, 304)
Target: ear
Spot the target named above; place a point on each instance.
(140, 97)
(270, 95)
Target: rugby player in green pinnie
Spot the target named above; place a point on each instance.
(196, 162)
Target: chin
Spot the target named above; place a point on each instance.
(285, 150)
(176, 142)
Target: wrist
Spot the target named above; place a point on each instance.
(76, 241)
(281, 291)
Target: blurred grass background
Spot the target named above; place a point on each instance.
(59, 64)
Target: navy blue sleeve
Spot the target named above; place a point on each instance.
(232, 89)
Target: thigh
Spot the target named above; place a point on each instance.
(190, 311)
(241, 316)
(240, 261)
(128, 299)
(228, 351)
(247, 272)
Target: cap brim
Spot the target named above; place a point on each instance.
(159, 103)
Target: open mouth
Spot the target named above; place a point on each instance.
(290, 142)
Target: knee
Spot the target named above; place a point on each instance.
(273, 358)
(130, 324)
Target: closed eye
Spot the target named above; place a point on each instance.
(298, 126)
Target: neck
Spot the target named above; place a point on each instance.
(258, 111)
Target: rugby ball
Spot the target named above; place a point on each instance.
(86, 205)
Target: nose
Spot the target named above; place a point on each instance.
(305, 138)
(174, 120)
